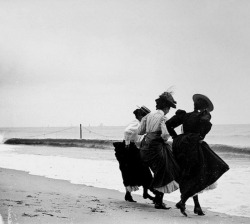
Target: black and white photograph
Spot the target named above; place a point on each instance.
(124, 111)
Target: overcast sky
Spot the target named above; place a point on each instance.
(66, 62)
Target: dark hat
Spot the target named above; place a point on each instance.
(200, 96)
(141, 111)
(168, 98)
(145, 109)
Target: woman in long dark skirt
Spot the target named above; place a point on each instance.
(200, 166)
(134, 172)
(156, 152)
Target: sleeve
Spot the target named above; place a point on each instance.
(142, 126)
(174, 122)
(164, 132)
(205, 124)
(129, 131)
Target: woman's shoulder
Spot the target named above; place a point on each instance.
(205, 116)
(180, 112)
(132, 125)
(134, 122)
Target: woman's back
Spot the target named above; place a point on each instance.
(192, 122)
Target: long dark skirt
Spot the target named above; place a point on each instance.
(200, 166)
(134, 171)
(158, 156)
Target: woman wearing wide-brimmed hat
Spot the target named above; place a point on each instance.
(200, 166)
(156, 152)
(134, 172)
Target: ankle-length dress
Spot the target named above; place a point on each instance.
(134, 172)
(157, 154)
(200, 165)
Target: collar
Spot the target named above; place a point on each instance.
(160, 112)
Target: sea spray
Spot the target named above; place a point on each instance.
(1, 138)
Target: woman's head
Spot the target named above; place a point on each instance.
(141, 112)
(165, 101)
(202, 102)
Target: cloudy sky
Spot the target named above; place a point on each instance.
(66, 62)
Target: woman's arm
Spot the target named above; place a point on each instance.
(164, 132)
(142, 126)
(174, 122)
(130, 131)
(205, 124)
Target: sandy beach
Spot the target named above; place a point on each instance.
(28, 198)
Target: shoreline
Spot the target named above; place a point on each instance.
(29, 198)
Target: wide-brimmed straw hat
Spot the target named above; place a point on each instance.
(201, 96)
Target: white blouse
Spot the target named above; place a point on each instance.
(152, 122)
(131, 132)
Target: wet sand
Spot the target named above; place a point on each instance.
(26, 198)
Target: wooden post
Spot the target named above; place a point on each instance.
(80, 131)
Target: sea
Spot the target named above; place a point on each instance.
(99, 167)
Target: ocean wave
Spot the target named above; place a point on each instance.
(84, 143)
(229, 135)
(230, 149)
(108, 144)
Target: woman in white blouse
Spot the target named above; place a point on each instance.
(156, 152)
(134, 172)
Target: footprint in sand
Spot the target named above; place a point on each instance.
(29, 215)
(62, 217)
(96, 210)
(47, 214)
(18, 202)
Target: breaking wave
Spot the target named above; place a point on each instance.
(108, 144)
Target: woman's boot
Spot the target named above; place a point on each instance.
(128, 197)
(147, 195)
(159, 201)
(197, 207)
(181, 205)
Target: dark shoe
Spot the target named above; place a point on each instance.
(161, 206)
(198, 211)
(146, 195)
(182, 207)
(128, 197)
